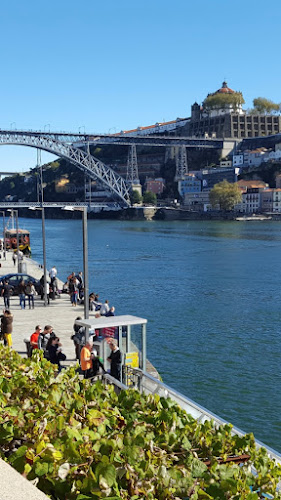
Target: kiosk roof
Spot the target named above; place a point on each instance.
(109, 321)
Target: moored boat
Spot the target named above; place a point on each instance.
(11, 240)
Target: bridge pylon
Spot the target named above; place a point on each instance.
(181, 163)
(132, 166)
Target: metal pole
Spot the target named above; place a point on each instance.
(44, 257)
(43, 227)
(4, 235)
(85, 268)
(144, 347)
(17, 229)
(4, 239)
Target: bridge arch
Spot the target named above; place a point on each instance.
(95, 168)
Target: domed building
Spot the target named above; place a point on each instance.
(223, 101)
(221, 115)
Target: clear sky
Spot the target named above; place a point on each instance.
(109, 65)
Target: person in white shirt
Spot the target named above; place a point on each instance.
(53, 273)
(104, 308)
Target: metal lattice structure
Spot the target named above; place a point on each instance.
(83, 160)
(132, 166)
(181, 163)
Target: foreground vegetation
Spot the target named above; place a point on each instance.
(80, 441)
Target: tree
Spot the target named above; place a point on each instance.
(150, 198)
(222, 101)
(265, 106)
(135, 197)
(226, 195)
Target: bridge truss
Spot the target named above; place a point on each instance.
(93, 167)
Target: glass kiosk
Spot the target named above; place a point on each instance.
(130, 333)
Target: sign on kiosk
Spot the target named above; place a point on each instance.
(132, 359)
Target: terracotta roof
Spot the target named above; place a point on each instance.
(151, 126)
(251, 184)
(225, 89)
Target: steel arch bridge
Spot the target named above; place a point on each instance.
(52, 143)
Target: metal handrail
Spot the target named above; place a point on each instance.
(150, 385)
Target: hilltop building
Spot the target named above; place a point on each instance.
(221, 115)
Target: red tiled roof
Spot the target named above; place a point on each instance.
(251, 183)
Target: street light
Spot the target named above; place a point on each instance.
(44, 250)
(4, 231)
(13, 123)
(85, 259)
(47, 125)
(79, 128)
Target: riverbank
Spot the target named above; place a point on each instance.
(144, 213)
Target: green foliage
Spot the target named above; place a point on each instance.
(222, 101)
(83, 441)
(135, 197)
(265, 106)
(226, 195)
(150, 198)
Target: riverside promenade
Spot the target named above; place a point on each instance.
(60, 314)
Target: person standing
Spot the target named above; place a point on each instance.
(6, 293)
(115, 359)
(14, 258)
(86, 359)
(30, 292)
(78, 338)
(22, 294)
(73, 290)
(80, 285)
(7, 327)
(53, 272)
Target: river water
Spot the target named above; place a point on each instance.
(211, 294)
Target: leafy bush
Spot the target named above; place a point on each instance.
(82, 441)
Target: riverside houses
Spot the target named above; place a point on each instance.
(271, 200)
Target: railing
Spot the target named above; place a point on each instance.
(145, 383)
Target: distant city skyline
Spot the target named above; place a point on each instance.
(107, 66)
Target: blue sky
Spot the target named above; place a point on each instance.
(115, 65)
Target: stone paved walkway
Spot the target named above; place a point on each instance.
(60, 314)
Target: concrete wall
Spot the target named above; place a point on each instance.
(13, 486)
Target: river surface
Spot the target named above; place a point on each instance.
(211, 294)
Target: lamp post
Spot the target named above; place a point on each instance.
(47, 125)
(79, 128)
(39, 164)
(86, 267)
(85, 260)
(4, 231)
(17, 229)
